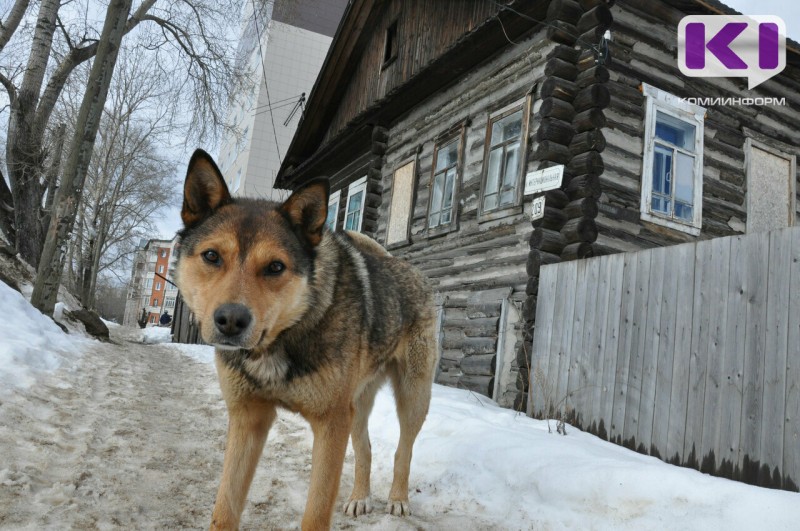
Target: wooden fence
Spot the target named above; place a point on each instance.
(184, 327)
(689, 353)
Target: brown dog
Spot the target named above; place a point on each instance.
(306, 319)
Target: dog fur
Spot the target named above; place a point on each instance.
(306, 319)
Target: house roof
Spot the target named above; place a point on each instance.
(307, 150)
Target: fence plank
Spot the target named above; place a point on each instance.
(665, 353)
(684, 319)
(755, 340)
(578, 328)
(791, 432)
(733, 359)
(565, 355)
(652, 332)
(621, 388)
(775, 358)
(698, 361)
(541, 350)
(593, 365)
(598, 350)
(638, 341)
(718, 311)
(611, 342)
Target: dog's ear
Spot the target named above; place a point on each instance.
(307, 209)
(204, 190)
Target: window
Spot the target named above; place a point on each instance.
(161, 269)
(672, 180)
(158, 286)
(390, 45)
(152, 319)
(169, 303)
(400, 207)
(148, 284)
(333, 210)
(356, 197)
(771, 183)
(503, 161)
(155, 302)
(443, 184)
(163, 253)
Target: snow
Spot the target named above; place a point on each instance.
(30, 343)
(131, 435)
(156, 334)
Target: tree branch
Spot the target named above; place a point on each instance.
(10, 25)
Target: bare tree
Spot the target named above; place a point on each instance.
(128, 180)
(188, 27)
(182, 35)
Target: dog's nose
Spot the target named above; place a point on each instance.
(232, 319)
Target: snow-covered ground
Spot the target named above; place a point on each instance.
(131, 435)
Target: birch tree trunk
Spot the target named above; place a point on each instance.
(48, 274)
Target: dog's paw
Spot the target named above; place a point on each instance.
(398, 508)
(357, 508)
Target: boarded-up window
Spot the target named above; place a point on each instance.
(400, 209)
(770, 187)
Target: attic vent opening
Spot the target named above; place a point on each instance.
(390, 45)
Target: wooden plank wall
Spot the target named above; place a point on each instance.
(688, 353)
(184, 328)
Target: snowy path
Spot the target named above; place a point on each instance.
(133, 438)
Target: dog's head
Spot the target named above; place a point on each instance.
(245, 265)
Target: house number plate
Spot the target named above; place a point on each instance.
(537, 208)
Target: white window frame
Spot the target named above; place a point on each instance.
(161, 269)
(333, 206)
(158, 286)
(359, 186)
(657, 100)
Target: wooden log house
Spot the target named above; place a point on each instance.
(427, 116)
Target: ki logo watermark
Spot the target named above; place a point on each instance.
(732, 46)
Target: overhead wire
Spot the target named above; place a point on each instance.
(266, 86)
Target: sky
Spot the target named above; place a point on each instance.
(788, 10)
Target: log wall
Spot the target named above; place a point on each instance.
(644, 49)
(483, 261)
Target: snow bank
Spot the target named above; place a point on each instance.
(503, 468)
(30, 343)
(156, 334)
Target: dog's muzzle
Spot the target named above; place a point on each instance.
(232, 324)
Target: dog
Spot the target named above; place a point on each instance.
(305, 319)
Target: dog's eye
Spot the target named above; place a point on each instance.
(274, 268)
(212, 257)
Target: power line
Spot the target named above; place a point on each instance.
(266, 86)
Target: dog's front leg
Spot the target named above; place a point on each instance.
(330, 442)
(248, 424)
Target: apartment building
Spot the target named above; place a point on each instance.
(283, 44)
(151, 287)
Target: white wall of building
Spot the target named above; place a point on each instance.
(292, 59)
